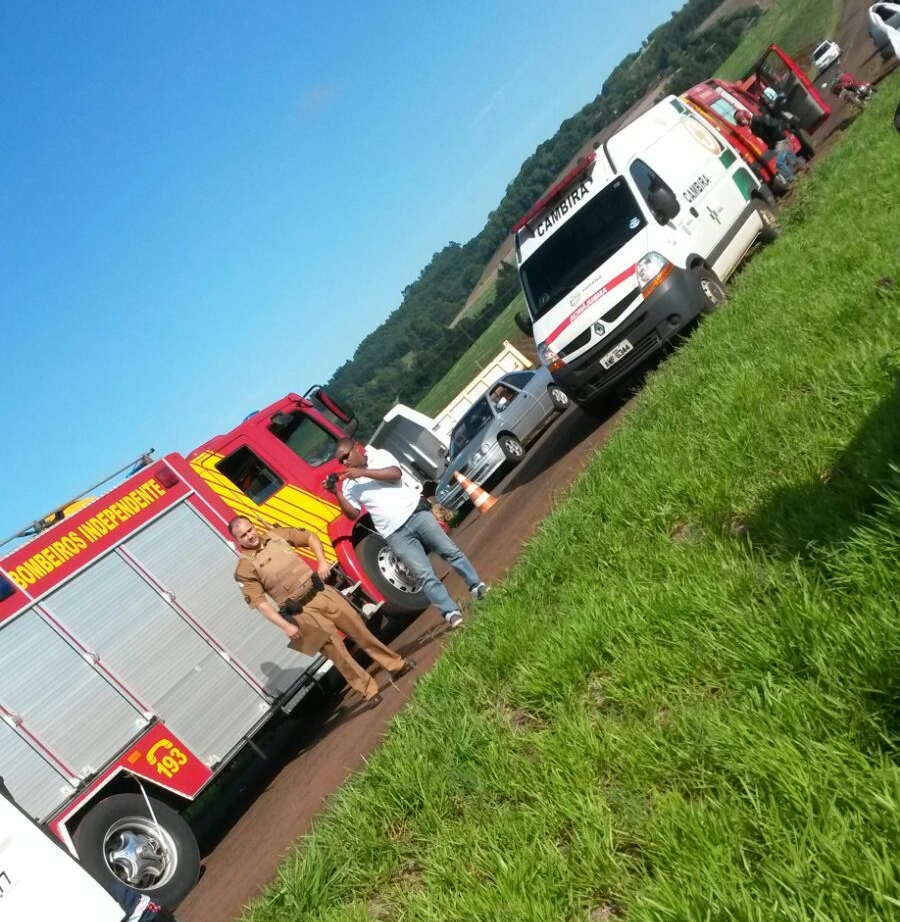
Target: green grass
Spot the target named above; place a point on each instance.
(684, 702)
(481, 352)
(796, 26)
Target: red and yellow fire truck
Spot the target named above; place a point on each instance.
(132, 672)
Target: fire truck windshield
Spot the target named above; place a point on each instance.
(305, 438)
(583, 243)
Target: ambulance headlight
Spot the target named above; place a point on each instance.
(651, 271)
(548, 358)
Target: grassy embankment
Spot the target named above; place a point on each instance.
(481, 352)
(796, 26)
(684, 704)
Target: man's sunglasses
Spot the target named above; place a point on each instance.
(342, 459)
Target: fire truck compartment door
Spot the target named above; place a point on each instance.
(158, 655)
(773, 70)
(64, 703)
(196, 564)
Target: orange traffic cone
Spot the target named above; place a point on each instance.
(481, 499)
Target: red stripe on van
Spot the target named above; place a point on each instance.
(608, 287)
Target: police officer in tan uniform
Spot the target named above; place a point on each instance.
(269, 566)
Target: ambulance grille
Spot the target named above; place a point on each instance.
(615, 312)
(582, 339)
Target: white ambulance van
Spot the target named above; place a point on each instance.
(633, 244)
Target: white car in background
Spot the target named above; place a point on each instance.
(884, 27)
(824, 55)
(493, 433)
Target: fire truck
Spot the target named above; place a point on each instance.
(131, 670)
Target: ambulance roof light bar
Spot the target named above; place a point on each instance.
(581, 167)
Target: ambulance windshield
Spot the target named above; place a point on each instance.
(579, 246)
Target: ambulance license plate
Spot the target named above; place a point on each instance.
(615, 354)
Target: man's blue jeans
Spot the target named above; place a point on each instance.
(787, 163)
(412, 542)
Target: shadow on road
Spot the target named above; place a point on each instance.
(578, 424)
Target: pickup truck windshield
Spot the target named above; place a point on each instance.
(586, 240)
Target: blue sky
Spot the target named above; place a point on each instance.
(207, 205)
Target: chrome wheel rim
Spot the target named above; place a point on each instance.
(711, 290)
(396, 572)
(140, 853)
(514, 448)
(559, 398)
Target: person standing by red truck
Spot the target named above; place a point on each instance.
(310, 613)
(372, 478)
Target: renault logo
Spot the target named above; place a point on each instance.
(599, 329)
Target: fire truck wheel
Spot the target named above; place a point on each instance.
(401, 592)
(118, 840)
(779, 185)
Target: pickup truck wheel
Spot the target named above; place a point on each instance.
(511, 447)
(711, 288)
(558, 397)
(118, 841)
(389, 575)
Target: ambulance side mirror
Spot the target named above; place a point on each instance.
(663, 204)
(523, 322)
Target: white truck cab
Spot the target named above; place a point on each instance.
(633, 244)
(410, 437)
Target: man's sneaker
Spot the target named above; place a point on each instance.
(479, 591)
(454, 619)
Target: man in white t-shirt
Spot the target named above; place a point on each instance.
(372, 478)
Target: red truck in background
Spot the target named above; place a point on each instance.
(775, 86)
(132, 672)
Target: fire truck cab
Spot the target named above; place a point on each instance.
(272, 467)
